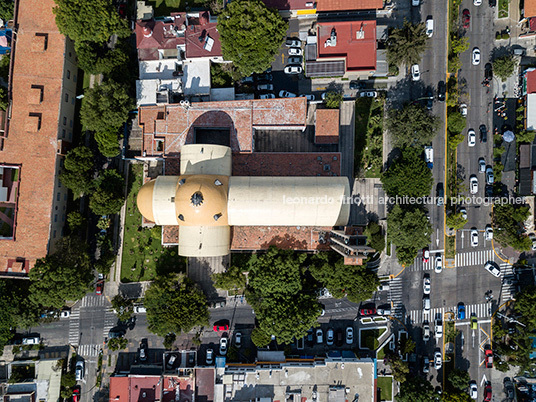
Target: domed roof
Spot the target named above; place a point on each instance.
(145, 200)
(201, 200)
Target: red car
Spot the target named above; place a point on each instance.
(466, 19)
(223, 327)
(99, 288)
(487, 392)
(76, 394)
(425, 255)
(367, 311)
(122, 10)
(489, 358)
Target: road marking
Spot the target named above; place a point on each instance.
(74, 326)
(89, 350)
(484, 379)
(480, 310)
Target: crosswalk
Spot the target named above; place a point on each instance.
(89, 350)
(463, 259)
(508, 282)
(481, 310)
(93, 301)
(110, 319)
(395, 297)
(74, 326)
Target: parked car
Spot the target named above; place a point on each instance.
(293, 43)
(438, 328)
(426, 304)
(223, 345)
(143, 351)
(532, 237)
(79, 370)
(349, 335)
(357, 84)
(466, 18)
(293, 69)
(76, 394)
(438, 359)
(487, 392)
(488, 233)
(441, 91)
(473, 184)
(330, 337)
(463, 110)
(475, 59)
(221, 327)
(295, 51)
(492, 269)
(238, 339)
(438, 264)
(488, 71)
(474, 237)
(265, 87)
(463, 211)
(368, 94)
(265, 77)
(209, 358)
(415, 72)
(426, 332)
(429, 26)
(481, 165)
(267, 96)
(426, 284)
(367, 311)
(489, 176)
(383, 311)
(286, 94)
(295, 60)
(31, 340)
(425, 254)
(116, 333)
(429, 99)
(473, 390)
(310, 97)
(509, 388)
(483, 133)
(471, 138)
(171, 361)
(477, 2)
(65, 313)
(425, 365)
(140, 309)
(488, 356)
(319, 336)
(99, 288)
(461, 311)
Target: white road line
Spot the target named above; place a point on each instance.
(481, 310)
(74, 326)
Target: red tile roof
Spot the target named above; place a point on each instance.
(153, 35)
(303, 238)
(530, 8)
(144, 389)
(530, 76)
(175, 124)
(204, 384)
(345, 5)
(119, 389)
(287, 164)
(327, 126)
(34, 152)
(199, 34)
(356, 42)
(289, 4)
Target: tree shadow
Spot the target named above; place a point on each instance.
(169, 262)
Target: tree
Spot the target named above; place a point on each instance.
(64, 275)
(4, 67)
(108, 142)
(92, 21)
(459, 44)
(408, 175)
(412, 125)
(284, 304)
(459, 379)
(333, 100)
(3, 98)
(406, 45)
(98, 58)
(456, 396)
(68, 382)
(105, 107)
(175, 304)
(375, 237)
(169, 340)
(507, 224)
(75, 220)
(525, 137)
(456, 221)
(526, 305)
(231, 279)
(455, 123)
(6, 9)
(123, 307)
(251, 35)
(409, 229)
(415, 389)
(117, 343)
(399, 368)
(107, 199)
(8, 313)
(354, 281)
(504, 66)
(77, 173)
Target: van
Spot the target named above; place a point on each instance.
(430, 27)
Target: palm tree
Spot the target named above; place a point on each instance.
(407, 44)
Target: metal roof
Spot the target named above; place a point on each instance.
(332, 68)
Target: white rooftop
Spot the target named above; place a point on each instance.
(531, 112)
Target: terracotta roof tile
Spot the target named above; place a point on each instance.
(530, 76)
(530, 8)
(345, 5)
(305, 238)
(202, 38)
(327, 126)
(287, 164)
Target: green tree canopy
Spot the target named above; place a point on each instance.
(375, 236)
(455, 123)
(354, 281)
(174, 305)
(284, 304)
(65, 275)
(406, 45)
(105, 106)
(98, 58)
(6, 9)
(456, 221)
(503, 67)
(507, 226)
(231, 279)
(251, 34)
(408, 175)
(458, 379)
(526, 305)
(77, 173)
(412, 125)
(409, 229)
(415, 389)
(525, 137)
(108, 197)
(123, 307)
(119, 343)
(68, 382)
(108, 142)
(92, 21)
(333, 100)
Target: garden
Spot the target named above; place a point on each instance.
(369, 338)
(368, 137)
(385, 386)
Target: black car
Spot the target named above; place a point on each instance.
(429, 99)
(357, 85)
(492, 3)
(339, 339)
(441, 91)
(489, 191)
(483, 133)
(116, 333)
(488, 71)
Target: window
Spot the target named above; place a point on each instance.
(55, 217)
(61, 162)
(63, 218)
(74, 77)
(68, 74)
(40, 42)
(59, 184)
(70, 136)
(72, 100)
(54, 235)
(63, 133)
(33, 124)
(65, 197)
(71, 124)
(66, 97)
(64, 121)
(58, 196)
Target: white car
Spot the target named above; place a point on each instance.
(295, 51)
(210, 356)
(463, 110)
(430, 27)
(415, 72)
(438, 328)
(415, 2)
(427, 285)
(293, 69)
(426, 303)
(293, 43)
(481, 165)
(463, 211)
(438, 360)
(477, 2)
(65, 314)
(532, 236)
(474, 237)
(368, 94)
(79, 370)
(492, 269)
(319, 336)
(473, 390)
(473, 184)
(286, 94)
(438, 264)
(382, 311)
(267, 96)
(238, 339)
(476, 57)
(488, 234)
(310, 97)
(223, 346)
(426, 332)
(471, 138)
(330, 337)
(489, 176)
(140, 309)
(349, 335)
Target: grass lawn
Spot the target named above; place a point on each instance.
(368, 158)
(369, 338)
(380, 354)
(503, 8)
(386, 388)
(144, 258)
(163, 8)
